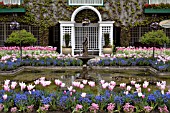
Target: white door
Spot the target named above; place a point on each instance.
(91, 32)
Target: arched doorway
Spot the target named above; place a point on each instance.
(94, 31)
(90, 31)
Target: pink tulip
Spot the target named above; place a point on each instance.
(76, 84)
(30, 87)
(145, 85)
(113, 83)
(149, 89)
(91, 83)
(102, 81)
(84, 81)
(13, 85)
(5, 96)
(7, 82)
(6, 88)
(36, 82)
(122, 85)
(137, 86)
(129, 88)
(83, 95)
(81, 86)
(133, 82)
(58, 82)
(111, 87)
(70, 88)
(62, 85)
(22, 85)
(71, 93)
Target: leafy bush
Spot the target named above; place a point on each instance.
(21, 37)
(155, 37)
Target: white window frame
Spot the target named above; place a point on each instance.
(159, 1)
(85, 2)
(12, 2)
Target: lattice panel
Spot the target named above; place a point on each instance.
(66, 29)
(105, 29)
(159, 1)
(91, 33)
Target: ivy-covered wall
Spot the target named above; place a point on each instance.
(47, 13)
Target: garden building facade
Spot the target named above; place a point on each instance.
(125, 21)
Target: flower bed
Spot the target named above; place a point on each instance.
(129, 98)
(45, 56)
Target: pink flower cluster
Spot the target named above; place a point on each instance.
(127, 108)
(46, 48)
(163, 109)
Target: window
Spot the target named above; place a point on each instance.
(159, 1)
(86, 2)
(12, 1)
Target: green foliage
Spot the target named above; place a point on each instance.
(21, 37)
(67, 39)
(107, 40)
(155, 37)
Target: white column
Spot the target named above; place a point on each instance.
(73, 39)
(100, 39)
(61, 38)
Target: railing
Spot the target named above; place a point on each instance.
(5, 2)
(159, 1)
(86, 2)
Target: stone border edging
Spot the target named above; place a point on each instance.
(150, 69)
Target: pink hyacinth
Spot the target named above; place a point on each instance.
(148, 109)
(14, 110)
(1, 106)
(30, 108)
(163, 109)
(111, 107)
(128, 108)
(94, 107)
(78, 107)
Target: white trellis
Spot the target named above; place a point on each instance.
(159, 1)
(86, 2)
(12, 1)
(94, 32)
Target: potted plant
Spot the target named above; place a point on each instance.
(67, 49)
(107, 48)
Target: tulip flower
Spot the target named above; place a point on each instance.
(133, 82)
(129, 88)
(5, 96)
(58, 82)
(122, 85)
(102, 81)
(91, 83)
(70, 88)
(113, 83)
(30, 87)
(84, 81)
(83, 95)
(22, 85)
(6, 88)
(81, 86)
(13, 85)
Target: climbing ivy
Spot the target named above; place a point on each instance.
(47, 13)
